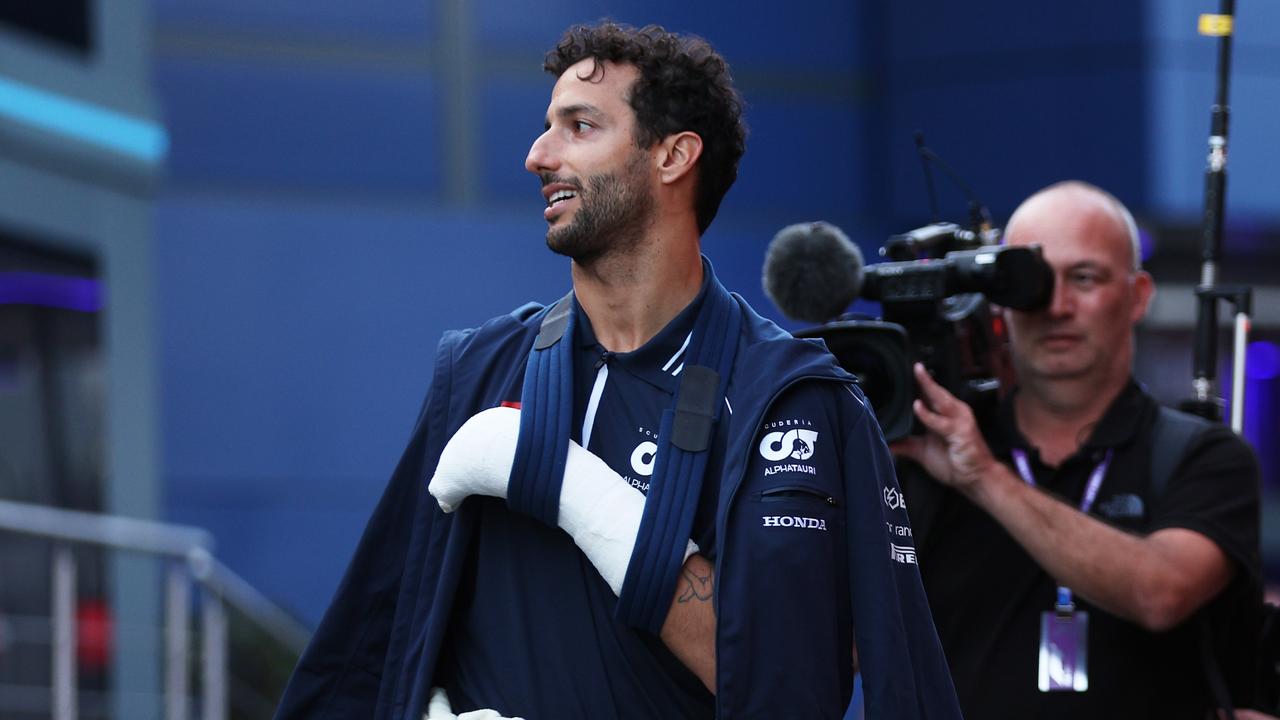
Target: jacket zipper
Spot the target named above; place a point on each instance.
(795, 491)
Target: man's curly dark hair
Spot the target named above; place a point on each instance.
(684, 85)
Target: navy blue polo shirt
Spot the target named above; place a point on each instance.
(533, 632)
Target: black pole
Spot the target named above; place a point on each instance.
(1205, 401)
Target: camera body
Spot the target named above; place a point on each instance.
(936, 296)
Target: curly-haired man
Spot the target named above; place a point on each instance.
(644, 500)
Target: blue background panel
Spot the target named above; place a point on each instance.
(1014, 96)
(261, 302)
(512, 115)
(937, 30)
(311, 126)
(799, 34)
(389, 19)
(802, 160)
(1009, 137)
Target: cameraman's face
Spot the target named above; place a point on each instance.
(1087, 331)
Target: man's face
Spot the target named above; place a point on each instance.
(1097, 297)
(596, 182)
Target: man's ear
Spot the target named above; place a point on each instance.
(677, 156)
(1144, 290)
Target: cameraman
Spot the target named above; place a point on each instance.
(1050, 558)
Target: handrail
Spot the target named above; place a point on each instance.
(192, 545)
(125, 533)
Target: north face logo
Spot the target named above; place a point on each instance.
(1122, 506)
(795, 444)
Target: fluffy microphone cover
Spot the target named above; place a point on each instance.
(812, 271)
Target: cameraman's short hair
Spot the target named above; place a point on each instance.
(1118, 208)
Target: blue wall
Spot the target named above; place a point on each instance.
(346, 182)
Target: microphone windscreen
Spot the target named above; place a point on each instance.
(812, 271)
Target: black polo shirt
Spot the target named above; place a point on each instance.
(987, 593)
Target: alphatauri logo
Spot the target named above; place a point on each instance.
(642, 458)
(796, 444)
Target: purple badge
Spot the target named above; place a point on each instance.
(1064, 657)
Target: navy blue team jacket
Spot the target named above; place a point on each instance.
(375, 651)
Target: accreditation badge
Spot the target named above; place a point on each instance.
(1064, 656)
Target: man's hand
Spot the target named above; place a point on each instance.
(1156, 581)
(477, 459)
(953, 450)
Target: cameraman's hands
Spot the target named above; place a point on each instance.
(952, 450)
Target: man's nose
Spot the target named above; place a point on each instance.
(541, 157)
(1063, 302)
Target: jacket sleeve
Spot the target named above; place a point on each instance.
(904, 672)
(784, 631)
(339, 674)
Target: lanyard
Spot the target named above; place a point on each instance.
(1064, 602)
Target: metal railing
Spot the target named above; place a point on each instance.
(190, 551)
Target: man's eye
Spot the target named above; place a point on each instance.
(1084, 279)
(581, 126)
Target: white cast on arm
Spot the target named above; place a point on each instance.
(599, 510)
(438, 708)
(477, 459)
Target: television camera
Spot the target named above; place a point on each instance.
(935, 291)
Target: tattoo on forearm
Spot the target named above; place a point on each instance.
(696, 587)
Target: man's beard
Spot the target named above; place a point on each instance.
(612, 214)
